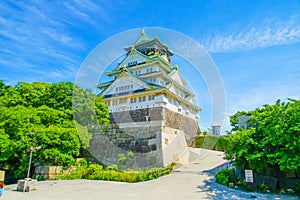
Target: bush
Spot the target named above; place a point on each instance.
(225, 176)
(112, 173)
(262, 187)
(297, 189)
(243, 185)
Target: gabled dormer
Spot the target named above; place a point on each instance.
(135, 58)
(127, 83)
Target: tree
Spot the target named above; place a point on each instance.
(41, 114)
(273, 139)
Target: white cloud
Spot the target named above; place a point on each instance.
(267, 33)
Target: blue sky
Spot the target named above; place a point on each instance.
(255, 44)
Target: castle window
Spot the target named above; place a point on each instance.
(151, 97)
(133, 100)
(132, 63)
(116, 89)
(142, 99)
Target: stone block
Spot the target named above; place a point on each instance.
(26, 185)
(2, 175)
(48, 172)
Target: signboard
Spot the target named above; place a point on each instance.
(249, 176)
(2, 175)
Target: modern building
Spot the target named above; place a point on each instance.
(149, 100)
(243, 121)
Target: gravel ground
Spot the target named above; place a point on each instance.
(191, 181)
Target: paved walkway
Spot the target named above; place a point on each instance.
(191, 181)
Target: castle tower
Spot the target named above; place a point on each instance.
(148, 99)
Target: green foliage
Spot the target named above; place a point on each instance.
(111, 173)
(41, 114)
(241, 183)
(122, 159)
(234, 119)
(40, 178)
(89, 110)
(83, 163)
(262, 187)
(112, 167)
(225, 176)
(208, 141)
(84, 135)
(130, 155)
(297, 189)
(273, 138)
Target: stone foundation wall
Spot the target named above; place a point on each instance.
(48, 172)
(177, 121)
(106, 151)
(157, 136)
(139, 115)
(170, 118)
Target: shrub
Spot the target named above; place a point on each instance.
(297, 189)
(262, 187)
(112, 173)
(243, 185)
(112, 167)
(225, 176)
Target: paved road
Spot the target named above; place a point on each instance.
(191, 181)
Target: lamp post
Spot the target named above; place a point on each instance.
(30, 158)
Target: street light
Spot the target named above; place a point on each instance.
(30, 157)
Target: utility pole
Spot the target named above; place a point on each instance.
(30, 158)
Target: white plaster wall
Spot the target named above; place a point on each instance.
(176, 149)
(133, 106)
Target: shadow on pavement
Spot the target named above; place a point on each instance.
(216, 191)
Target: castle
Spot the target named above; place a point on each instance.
(149, 101)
